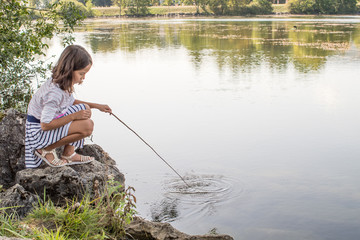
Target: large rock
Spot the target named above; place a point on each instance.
(98, 153)
(12, 145)
(17, 199)
(58, 183)
(68, 182)
(145, 230)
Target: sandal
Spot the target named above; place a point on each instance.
(56, 162)
(83, 159)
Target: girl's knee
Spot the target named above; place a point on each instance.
(88, 127)
(87, 107)
(82, 127)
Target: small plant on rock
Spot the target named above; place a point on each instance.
(102, 218)
(119, 206)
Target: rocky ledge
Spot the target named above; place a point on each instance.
(24, 186)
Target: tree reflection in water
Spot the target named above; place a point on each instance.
(165, 211)
(242, 45)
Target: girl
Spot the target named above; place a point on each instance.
(55, 118)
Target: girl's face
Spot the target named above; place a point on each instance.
(79, 75)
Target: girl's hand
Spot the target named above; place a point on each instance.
(82, 115)
(104, 108)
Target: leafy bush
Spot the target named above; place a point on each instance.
(348, 6)
(260, 7)
(23, 31)
(137, 7)
(256, 7)
(327, 6)
(77, 8)
(89, 8)
(303, 7)
(102, 3)
(219, 7)
(322, 6)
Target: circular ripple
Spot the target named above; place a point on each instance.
(206, 184)
(202, 195)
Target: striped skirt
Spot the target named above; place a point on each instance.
(36, 138)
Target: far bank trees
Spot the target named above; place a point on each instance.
(217, 7)
(323, 6)
(236, 7)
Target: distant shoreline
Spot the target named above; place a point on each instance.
(190, 11)
(188, 16)
(167, 11)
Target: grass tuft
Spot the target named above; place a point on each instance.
(102, 218)
(9, 225)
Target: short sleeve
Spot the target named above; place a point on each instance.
(71, 99)
(51, 101)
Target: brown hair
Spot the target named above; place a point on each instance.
(73, 58)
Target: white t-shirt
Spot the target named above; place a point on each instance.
(49, 101)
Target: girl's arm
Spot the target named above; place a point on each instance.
(101, 107)
(56, 123)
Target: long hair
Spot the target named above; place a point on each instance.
(73, 58)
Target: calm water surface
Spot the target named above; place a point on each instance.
(261, 116)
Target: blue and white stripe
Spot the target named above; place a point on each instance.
(36, 138)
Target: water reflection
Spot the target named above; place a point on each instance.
(238, 45)
(165, 211)
(231, 99)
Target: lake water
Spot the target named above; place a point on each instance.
(260, 116)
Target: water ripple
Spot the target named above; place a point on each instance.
(203, 196)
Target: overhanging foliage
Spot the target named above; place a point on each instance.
(23, 34)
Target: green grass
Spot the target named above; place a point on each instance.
(9, 225)
(164, 10)
(107, 11)
(50, 235)
(95, 219)
(280, 8)
(76, 221)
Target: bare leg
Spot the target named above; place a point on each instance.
(78, 130)
(69, 150)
